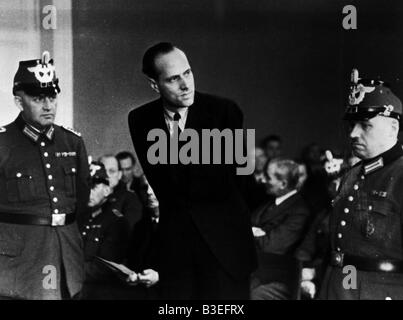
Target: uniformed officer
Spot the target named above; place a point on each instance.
(105, 232)
(366, 221)
(43, 187)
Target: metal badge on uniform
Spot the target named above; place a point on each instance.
(368, 228)
(65, 154)
(381, 194)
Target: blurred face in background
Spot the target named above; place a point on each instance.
(98, 195)
(260, 160)
(127, 167)
(273, 149)
(274, 184)
(112, 169)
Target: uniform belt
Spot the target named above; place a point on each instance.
(339, 259)
(54, 220)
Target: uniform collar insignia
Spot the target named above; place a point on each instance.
(30, 132)
(50, 132)
(384, 159)
(374, 165)
(33, 133)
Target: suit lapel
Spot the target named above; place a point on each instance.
(275, 211)
(257, 216)
(198, 117)
(160, 122)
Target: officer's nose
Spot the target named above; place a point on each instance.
(47, 104)
(354, 131)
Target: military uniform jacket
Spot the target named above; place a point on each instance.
(105, 235)
(41, 174)
(366, 221)
(126, 202)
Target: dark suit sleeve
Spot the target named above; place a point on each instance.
(234, 116)
(280, 238)
(244, 182)
(83, 178)
(135, 133)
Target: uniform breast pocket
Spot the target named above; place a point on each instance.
(380, 222)
(20, 185)
(70, 180)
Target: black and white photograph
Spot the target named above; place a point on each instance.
(181, 152)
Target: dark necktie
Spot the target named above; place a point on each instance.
(177, 117)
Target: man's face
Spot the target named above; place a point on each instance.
(274, 185)
(40, 111)
(112, 169)
(261, 159)
(98, 195)
(127, 170)
(371, 137)
(175, 81)
(273, 149)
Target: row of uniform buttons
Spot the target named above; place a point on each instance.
(87, 227)
(346, 210)
(50, 177)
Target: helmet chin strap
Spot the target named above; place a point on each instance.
(45, 57)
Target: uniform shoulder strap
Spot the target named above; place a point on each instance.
(71, 130)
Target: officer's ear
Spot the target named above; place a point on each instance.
(18, 102)
(395, 128)
(284, 184)
(107, 190)
(153, 85)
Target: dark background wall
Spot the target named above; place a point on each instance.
(287, 63)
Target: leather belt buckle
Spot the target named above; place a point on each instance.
(58, 219)
(337, 259)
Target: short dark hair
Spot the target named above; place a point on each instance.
(151, 54)
(124, 155)
(269, 138)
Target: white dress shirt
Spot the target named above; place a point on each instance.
(169, 118)
(285, 197)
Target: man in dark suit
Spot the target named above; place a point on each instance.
(205, 246)
(278, 229)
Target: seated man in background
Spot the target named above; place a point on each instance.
(278, 229)
(128, 203)
(135, 181)
(105, 233)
